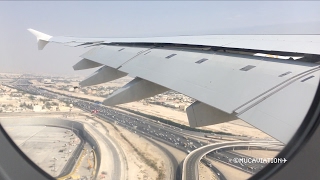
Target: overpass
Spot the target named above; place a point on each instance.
(190, 164)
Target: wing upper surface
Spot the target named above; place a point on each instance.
(259, 90)
(287, 43)
(218, 81)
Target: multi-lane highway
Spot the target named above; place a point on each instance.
(118, 170)
(190, 164)
(228, 156)
(213, 169)
(128, 121)
(173, 136)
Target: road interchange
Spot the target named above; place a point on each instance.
(170, 135)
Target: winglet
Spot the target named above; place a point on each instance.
(42, 38)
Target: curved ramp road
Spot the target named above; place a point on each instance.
(191, 162)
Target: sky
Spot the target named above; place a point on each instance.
(18, 47)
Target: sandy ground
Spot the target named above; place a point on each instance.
(116, 83)
(41, 144)
(6, 99)
(137, 169)
(258, 153)
(178, 154)
(205, 173)
(95, 98)
(105, 151)
(85, 161)
(229, 172)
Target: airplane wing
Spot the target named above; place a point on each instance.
(268, 81)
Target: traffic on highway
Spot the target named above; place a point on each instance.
(181, 139)
(173, 136)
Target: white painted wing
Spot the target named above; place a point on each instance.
(272, 94)
(286, 43)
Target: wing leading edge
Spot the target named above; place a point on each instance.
(228, 82)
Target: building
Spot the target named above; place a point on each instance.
(47, 81)
(37, 108)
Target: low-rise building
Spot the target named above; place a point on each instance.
(37, 108)
(16, 94)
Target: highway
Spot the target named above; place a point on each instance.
(213, 169)
(191, 162)
(87, 106)
(73, 159)
(117, 169)
(170, 135)
(227, 157)
(173, 136)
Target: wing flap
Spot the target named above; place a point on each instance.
(221, 80)
(113, 56)
(281, 114)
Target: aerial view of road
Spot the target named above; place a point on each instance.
(190, 169)
(184, 140)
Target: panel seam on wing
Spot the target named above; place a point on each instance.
(274, 90)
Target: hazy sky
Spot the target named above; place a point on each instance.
(135, 19)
